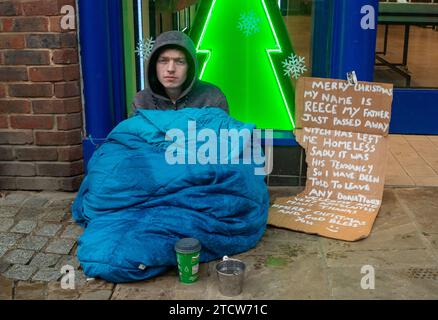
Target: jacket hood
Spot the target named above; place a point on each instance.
(181, 40)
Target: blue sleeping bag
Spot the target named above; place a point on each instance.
(135, 205)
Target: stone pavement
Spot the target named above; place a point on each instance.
(38, 237)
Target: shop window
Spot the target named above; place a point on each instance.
(407, 44)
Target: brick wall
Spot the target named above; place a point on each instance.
(40, 102)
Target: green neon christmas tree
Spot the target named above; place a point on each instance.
(241, 47)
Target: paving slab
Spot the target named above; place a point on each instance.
(9, 239)
(35, 201)
(389, 283)
(4, 266)
(96, 295)
(30, 290)
(6, 224)
(14, 199)
(19, 256)
(8, 211)
(60, 246)
(56, 292)
(28, 213)
(55, 215)
(48, 229)
(47, 275)
(6, 288)
(72, 231)
(158, 288)
(70, 260)
(20, 272)
(3, 250)
(398, 237)
(33, 242)
(24, 226)
(423, 205)
(92, 284)
(60, 203)
(381, 258)
(44, 260)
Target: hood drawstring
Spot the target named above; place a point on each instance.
(155, 100)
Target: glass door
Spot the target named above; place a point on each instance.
(406, 55)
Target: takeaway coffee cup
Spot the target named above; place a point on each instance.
(187, 254)
(230, 273)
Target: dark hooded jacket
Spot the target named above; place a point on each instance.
(195, 93)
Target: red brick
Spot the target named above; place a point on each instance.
(45, 40)
(60, 73)
(59, 169)
(55, 24)
(67, 89)
(45, 74)
(8, 183)
(71, 73)
(38, 184)
(6, 24)
(70, 105)
(31, 90)
(4, 122)
(43, 138)
(2, 91)
(41, 8)
(70, 153)
(36, 153)
(45, 7)
(48, 106)
(42, 183)
(17, 169)
(69, 40)
(31, 122)
(73, 105)
(6, 154)
(25, 24)
(26, 57)
(14, 106)
(65, 56)
(12, 41)
(68, 122)
(62, 3)
(16, 137)
(49, 183)
(71, 183)
(9, 8)
(13, 74)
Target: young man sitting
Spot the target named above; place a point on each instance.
(172, 81)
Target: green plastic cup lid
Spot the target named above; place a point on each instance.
(188, 245)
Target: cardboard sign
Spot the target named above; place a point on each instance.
(344, 133)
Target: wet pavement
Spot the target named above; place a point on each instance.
(38, 237)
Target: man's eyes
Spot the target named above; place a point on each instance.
(180, 62)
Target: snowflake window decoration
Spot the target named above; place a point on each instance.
(249, 23)
(144, 48)
(294, 66)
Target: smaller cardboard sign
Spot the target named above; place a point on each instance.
(344, 131)
(344, 220)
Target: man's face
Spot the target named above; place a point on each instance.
(172, 68)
